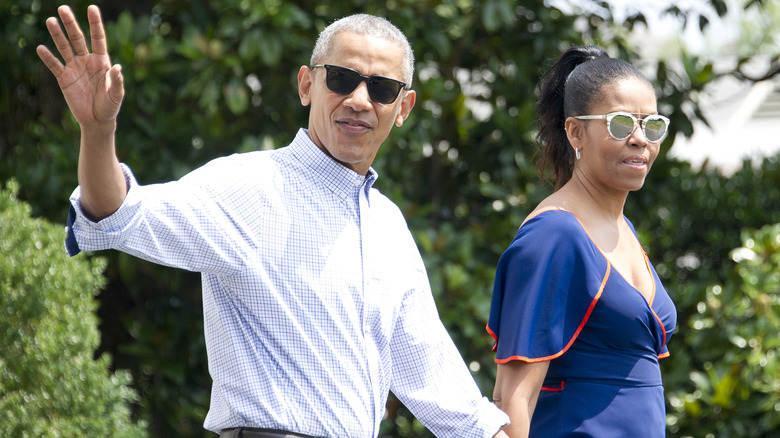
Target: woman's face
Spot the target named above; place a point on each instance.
(615, 165)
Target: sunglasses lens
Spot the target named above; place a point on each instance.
(655, 128)
(383, 90)
(621, 126)
(341, 80)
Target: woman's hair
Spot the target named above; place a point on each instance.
(369, 25)
(570, 88)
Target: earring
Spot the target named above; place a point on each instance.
(577, 154)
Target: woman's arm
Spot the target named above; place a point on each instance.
(517, 388)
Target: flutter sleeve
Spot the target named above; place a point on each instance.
(547, 282)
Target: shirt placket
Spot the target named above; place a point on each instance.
(363, 216)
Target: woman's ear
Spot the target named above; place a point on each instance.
(575, 132)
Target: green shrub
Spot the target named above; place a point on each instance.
(50, 385)
(736, 391)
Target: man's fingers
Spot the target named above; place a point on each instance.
(77, 40)
(116, 89)
(59, 38)
(99, 45)
(51, 61)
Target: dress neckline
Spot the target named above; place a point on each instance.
(648, 301)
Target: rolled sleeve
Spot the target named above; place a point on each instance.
(84, 234)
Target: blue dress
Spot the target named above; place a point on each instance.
(557, 298)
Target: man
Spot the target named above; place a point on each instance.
(316, 301)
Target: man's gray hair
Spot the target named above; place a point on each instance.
(369, 25)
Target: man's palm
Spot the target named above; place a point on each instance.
(92, 88)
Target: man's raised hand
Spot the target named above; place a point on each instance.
(92, 87)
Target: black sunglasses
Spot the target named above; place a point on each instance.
(343, 80)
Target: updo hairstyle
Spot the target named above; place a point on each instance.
(570, 88)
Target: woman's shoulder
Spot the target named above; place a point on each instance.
(548, 233)
(551, 222)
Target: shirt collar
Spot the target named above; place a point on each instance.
(337, 177)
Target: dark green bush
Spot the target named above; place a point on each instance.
(734, 389)
(50, 384)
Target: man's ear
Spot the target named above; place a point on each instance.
(406, 107)
(305, 82)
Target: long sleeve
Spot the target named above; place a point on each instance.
(431, 378)
(182, 224)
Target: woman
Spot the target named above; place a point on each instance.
(579, 315)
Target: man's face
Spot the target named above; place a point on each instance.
(351, 128)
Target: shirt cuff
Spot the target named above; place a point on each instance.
(485, 421)
(491, 418)
(83, 234)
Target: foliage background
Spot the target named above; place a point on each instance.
(210, 78)
(50, 383)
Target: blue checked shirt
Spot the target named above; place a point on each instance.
(316, 301)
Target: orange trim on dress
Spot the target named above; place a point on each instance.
(593, 302)
(546, 209)
(576, 333)
(650, 271)
(549, 388)
(647, 266)
(650, 305)
(495, 337)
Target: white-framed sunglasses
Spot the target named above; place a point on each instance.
(621, 125)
